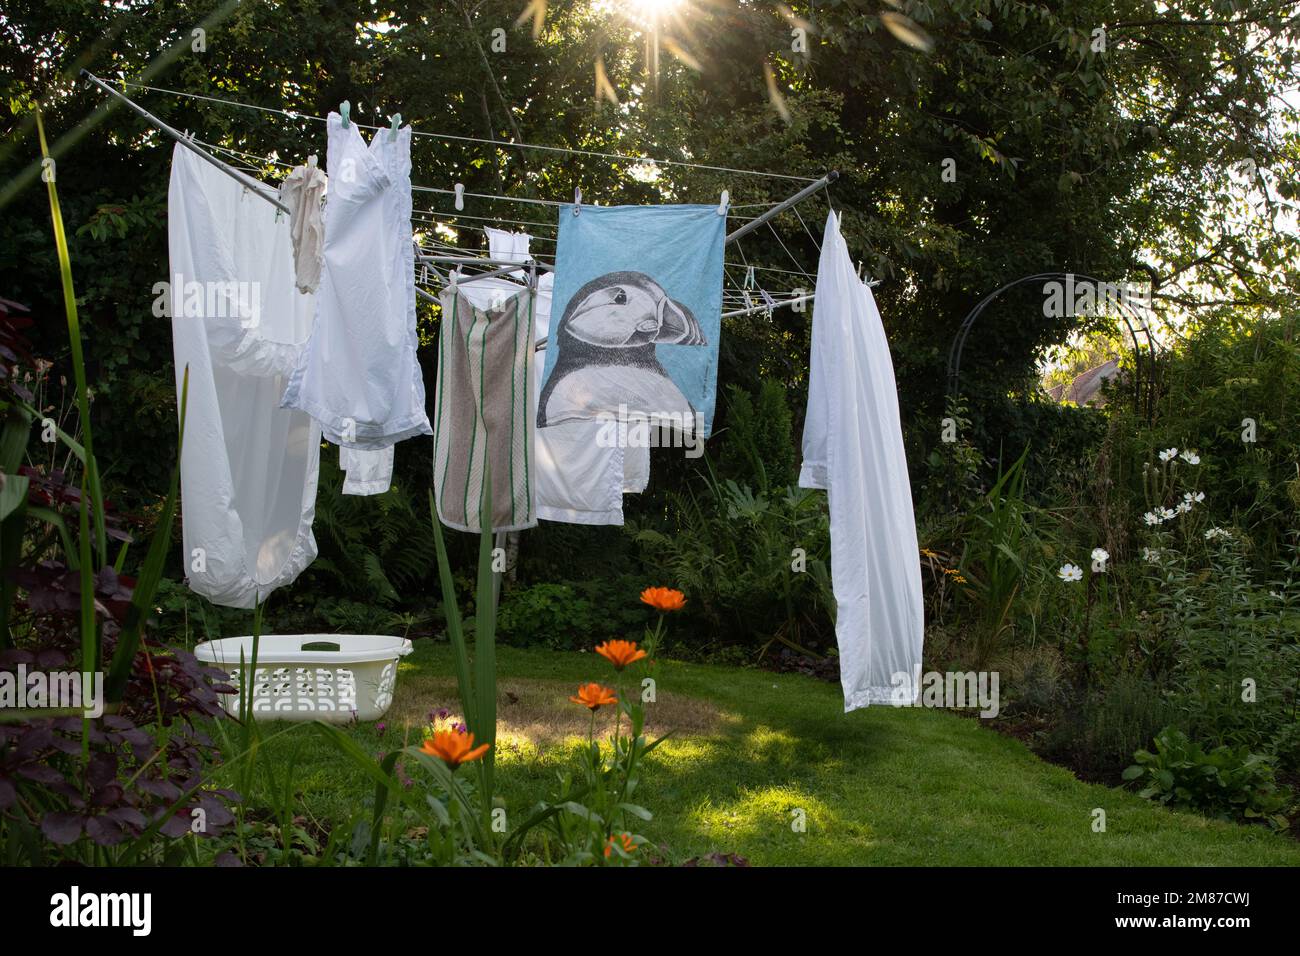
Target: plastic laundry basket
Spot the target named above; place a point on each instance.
(330, 677)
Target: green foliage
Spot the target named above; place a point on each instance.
(997, 553)
(1228, 647)
(1229, 393)
(568, 615)
(733, 553)
(1098, 729)
(758, 444)
(1224, 782)
(375, 548)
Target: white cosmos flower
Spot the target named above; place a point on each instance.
(1169, 454)
(1070, 572)
(1217, 533)
(1199, 497)
(1151, 518)
(1191, 457)
(1100, 554)
(1151, 554)
(1184, 507)
(1167, 513)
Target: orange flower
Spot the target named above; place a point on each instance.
(664, 599)
(453, 747)
(625, 839)
(620, 653)
(594, 696)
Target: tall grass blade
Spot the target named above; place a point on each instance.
(485, 646)
(450, 609)
(74, 336)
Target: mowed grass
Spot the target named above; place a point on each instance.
(754, 754)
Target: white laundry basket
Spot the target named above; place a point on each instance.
(330, 677)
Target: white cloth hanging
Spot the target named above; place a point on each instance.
(578, 479)
(248, 467)
(303, 191)
(366, 472)
(508, 246)
(853, 447)
(359, 376)
(581, 477)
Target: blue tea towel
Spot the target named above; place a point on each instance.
(638, 292)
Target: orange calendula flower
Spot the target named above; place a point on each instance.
(620, 653)
(594, 696)
(625, 839)
(664, 599)
(453, 747)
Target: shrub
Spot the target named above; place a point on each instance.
(732, 551)
(1226, 783)
(1101, 728)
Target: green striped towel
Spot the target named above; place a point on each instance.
(484, 410)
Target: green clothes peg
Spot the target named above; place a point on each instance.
(396, 119)
(344, 109)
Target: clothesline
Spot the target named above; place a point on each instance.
(532, 225)
(263, 190)
(293, 114)
(419, 215)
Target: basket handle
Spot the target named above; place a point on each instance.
(321, 646)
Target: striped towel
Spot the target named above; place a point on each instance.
(484, 409)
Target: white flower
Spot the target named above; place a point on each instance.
(1169, 454)
(1199, 497)
(1191, 457)
(1167, 513)
(1275, 594)
(1184, 507)
(1151, 518)
(1217, 533)
(1070, 572)
(1100, 554)
(1151, 554)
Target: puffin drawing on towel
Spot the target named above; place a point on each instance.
(606, 340)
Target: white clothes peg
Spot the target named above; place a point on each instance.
(725, 201)
(577, 200)
(345, 108)
(460, 196)
(396, 120)
(312, 161)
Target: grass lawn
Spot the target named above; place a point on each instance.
(881, 786)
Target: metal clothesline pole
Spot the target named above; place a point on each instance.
(486, 261)
(776, 210)
(780, 303)
(247, 181)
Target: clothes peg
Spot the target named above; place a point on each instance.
(311, 161)
(396, 120)
(577, 200)
(460, 196)
(345, 108)
(722, 205)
